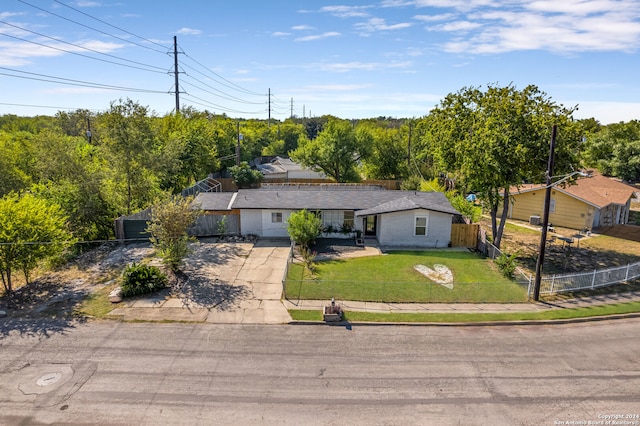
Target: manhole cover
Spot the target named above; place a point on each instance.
(48, 379)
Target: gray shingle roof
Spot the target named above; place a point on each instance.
(347, 198)
(214, 200)
(435, 201)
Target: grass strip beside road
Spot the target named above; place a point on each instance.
(552, 314)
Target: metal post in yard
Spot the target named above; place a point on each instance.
(593, 280)
(626, 275)
(545, 216)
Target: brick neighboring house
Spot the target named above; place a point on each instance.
(591, 203)
(398, 218)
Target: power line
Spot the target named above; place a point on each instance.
(71, 82)
(95, 29)
(111, 25)
(228, 97)
(205, 103)
(163, 71)
(49, 106)
(230, 84)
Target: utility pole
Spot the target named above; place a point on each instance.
(304, 107)
(269, 109)
(88, 130)
(409, 148)
(545, 216)
(291, 107)
(175, 72)
(238, 144)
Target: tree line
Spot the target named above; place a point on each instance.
(91, 168)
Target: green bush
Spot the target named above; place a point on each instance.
(142, 279)
(507, 264)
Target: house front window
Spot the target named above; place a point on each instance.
(348, 219)
(421, 226)
(276, 217)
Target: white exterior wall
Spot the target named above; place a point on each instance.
(259, 222)
(398, 229)
(274, 229)
(251, 222)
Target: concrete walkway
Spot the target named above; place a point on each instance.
(466, 307)
(246, 289)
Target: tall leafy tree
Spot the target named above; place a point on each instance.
(129, 144)
(14, 170)
(31, 230)
(497, 138)
(388, 156)
(337, 151)
(615, 150)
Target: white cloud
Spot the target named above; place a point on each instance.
(458, 26)
(346, 11)
(435, 18)
(337, 87)
(379, 24)
(280, 34)
(319, 36)
(21, 53)
(545, 26)
(360, 66)
(88, 4)
(188, 31)
(302, 28)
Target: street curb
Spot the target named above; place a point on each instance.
(477, 324)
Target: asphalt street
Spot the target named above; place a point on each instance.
(144, 374)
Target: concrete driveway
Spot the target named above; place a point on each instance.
(228, 283)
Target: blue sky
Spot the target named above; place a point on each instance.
(351, 59)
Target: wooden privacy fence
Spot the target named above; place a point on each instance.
(464, 235)
(134, 228)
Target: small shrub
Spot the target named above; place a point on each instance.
(507, 264)
(142, 279)
(346, 228)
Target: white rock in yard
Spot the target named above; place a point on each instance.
(116, 295)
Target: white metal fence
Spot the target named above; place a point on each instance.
(564, 283)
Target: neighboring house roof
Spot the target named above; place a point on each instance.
(597, 190)
(280, 165)
(214, 200)
(339, 198)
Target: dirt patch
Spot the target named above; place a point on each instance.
(56, 294)
(584, 254)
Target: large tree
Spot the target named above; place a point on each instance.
(129, 143)
(615, 150)
(31, 229)
(336, 151)
(498, 138)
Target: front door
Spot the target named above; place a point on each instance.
(370, 224)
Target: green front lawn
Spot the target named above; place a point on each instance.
(392, 278)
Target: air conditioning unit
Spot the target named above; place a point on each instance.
(534, 220)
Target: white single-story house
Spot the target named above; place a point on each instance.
(397, 218)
